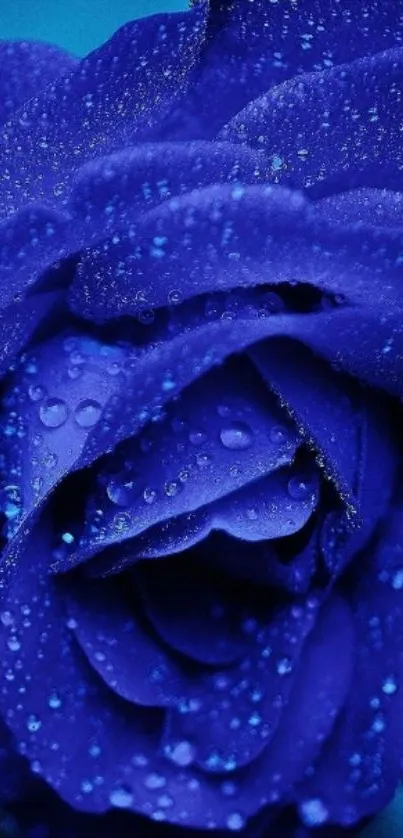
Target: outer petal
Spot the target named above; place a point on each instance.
(25, 69)
(99, 107)
(57, 396)
(332, 130)
(253, 46)
(121, 648)
(138, 779)
(220, 436)
(349, 428)
(360, 766)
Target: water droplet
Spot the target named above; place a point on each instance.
(123, 490)
(54, 701)
(87, 413)
(235, 821)
(298, 489)
(121, 797)
(397, 580)
(33, 723)
(53, 413)
(203, 460)
(182, 754)
(389, 686)
(71, 623)
(174, 297)
(11, 503)
(36, 392)
(172, 487)
(284, 666)
(74, 372)
(168, 383)
(165, 801)
(278, 434)
(271, 302)
(149, 495)
(154, 781)
(237, 436)
(197, 437)
(313, 812)
(50, 459)
(13, 644)
(86, 787)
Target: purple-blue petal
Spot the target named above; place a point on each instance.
(26, 68)
(360, 766)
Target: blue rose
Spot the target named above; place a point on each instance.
(202, 358)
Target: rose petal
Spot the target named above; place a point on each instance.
(265, 510)
(358, 771)
(20, 321)
(253, 46)
(219, 436)
(237, 711)
(120, 648)
(236, 237)
(99, 107)
(209, 627)
(56, 397)
(26, 68)
(347, 428)
(374, 207)
(332, 130)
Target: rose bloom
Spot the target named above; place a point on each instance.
(202, 356)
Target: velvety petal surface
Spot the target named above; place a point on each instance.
(27, 67)
(66, 732)
(252, 47)
(120, 648)
(57, 396)
(222, 434)
(331, 130)
(359, 768)
(119, 89)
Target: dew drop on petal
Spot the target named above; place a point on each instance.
(53, 413)
(121, 797)
(54, 701)
(87, 413)
(298, 489)
(237, 436)
(235, 821)
(36, 392)
(33, 723)
(172, 487)
(197, 437)
(278, 434)
(313, 812)
(182, 754)
(389, 686)
(284, 666)
(154, 781)
(149, 495)
(122, 491)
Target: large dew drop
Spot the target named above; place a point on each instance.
(123, 490)
(53, 413)
(121, 797)
(87, 413)
(237, 436)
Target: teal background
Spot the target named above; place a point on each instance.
(80, 26)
